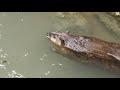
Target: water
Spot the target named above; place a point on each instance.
(25, 51)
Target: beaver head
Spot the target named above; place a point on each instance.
(59, 38)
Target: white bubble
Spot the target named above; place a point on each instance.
(17, 76)
(6, 54)
(3, 56)
(21, 76)
(10, 75)
(41, 58)
(60, 64)
(26, 54)
(13, 74)
(2, 66)
(13, 71)
(1, 49)
(52, 64)
(21, 19)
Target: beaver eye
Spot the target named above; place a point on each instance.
(62, 41)
(54, 37)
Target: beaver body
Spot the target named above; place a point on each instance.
(90, 49)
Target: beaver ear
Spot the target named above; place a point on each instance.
(67, 31)
(62, 41)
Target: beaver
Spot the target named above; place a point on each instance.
(89, 49)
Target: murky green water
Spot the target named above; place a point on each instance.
(25, 50)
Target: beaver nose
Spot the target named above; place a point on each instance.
(48, 34)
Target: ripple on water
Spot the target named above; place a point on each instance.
(43, 57)
(48, 72)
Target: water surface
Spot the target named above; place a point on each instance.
(25, 49)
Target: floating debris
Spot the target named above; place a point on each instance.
(6, 54)
(3, 61)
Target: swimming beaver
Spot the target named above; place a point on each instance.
(91, 49)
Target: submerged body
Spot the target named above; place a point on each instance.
(89, 49)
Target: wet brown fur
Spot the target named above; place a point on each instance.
(93, 50)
